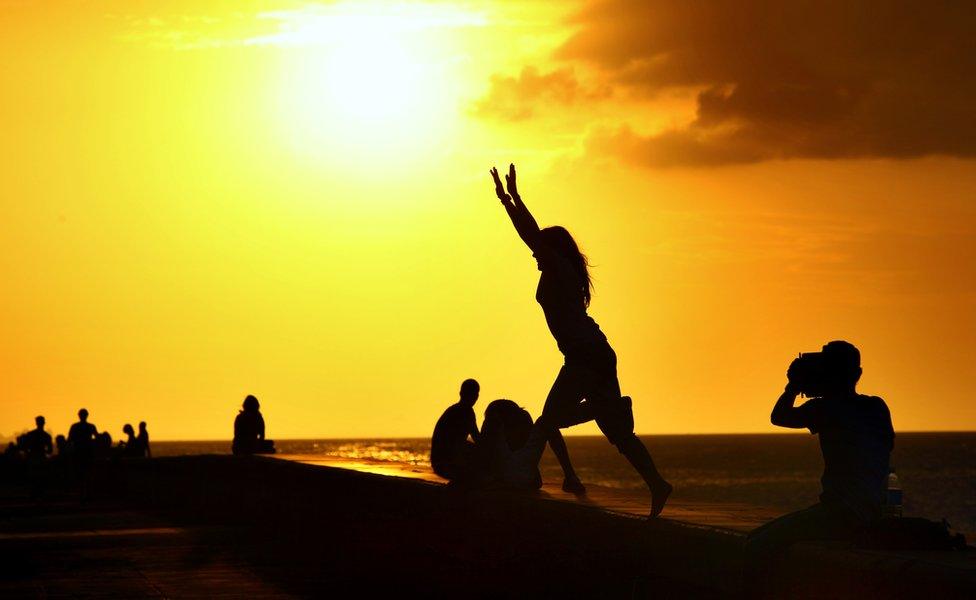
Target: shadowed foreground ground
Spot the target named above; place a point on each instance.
(216, 526)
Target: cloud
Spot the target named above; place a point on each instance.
(516, 98)
(780, 80)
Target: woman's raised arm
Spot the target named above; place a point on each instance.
(522, 219)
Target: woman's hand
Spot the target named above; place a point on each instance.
(521, 218)
(510, 181)
(499, 190)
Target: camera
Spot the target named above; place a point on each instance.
(808, 372)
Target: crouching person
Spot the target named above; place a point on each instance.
(510, 447)
(856, 439)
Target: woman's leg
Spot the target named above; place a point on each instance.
(558, 446)
(562, 408)
(564, 394)
(616, 420)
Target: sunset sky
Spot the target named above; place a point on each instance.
(203, 200)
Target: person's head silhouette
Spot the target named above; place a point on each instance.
(39, 421)
(83, 415)
(561, 241)
(251, 404)
(128, 430)
(142, 426)
(842, 367)
(469, 392)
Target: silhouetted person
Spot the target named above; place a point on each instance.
(249, 430)
(451, 454)
(129, 446)
(81, 444)
(586, 387)
(856, 439)
(61, 443)
(81, 438)
(36, 444)
(61, 459)
(143, 440)
(103, 444)
(503, 448)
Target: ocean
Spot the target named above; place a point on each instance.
(937, 471)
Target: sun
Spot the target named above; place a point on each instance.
(363, 83)
(375, 81)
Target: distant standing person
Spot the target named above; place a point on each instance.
(81, 446)
(36, 443)
(856, 439)
(451, 454)
(143, 440)
(81, 438)
(586, 387)
(249, 430)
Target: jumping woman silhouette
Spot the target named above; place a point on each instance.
(586, 387)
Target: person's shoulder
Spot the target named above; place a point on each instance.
(875, 402)
(448, 413)
(458, 409)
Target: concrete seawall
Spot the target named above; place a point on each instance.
(372, 532)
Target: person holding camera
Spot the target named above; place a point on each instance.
(856, 439)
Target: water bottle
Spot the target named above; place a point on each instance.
(893, 496)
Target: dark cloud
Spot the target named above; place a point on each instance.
(789, 79)
(516, 98)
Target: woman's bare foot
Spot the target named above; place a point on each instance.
(659, 497)
(572, 485)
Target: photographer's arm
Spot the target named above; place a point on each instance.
(784, 413)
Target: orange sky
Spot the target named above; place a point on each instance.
(205, 200)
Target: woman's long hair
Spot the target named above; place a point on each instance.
(563, 243)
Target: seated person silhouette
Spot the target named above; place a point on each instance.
(856, 439)
(103, 444)
(452, 456)
(129, 446)
(36, 444)
(505, 433)
(143, 441)
(249, 430)
(61, 443)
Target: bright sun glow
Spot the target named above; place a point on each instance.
(366, 80)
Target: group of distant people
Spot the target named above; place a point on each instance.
(73, 454)
(855, 431)
(83, 442)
